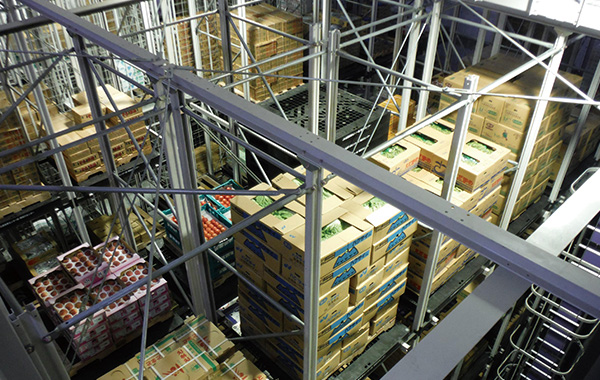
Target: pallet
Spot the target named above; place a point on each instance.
(116, 345)
(23, 203)
(86, 175)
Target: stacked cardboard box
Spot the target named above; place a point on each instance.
(100, 271)
(197, 350)
(263, 44)
(101, 227)
(477, 189)
(364, 260)
(201, 158)
(395, 118)
(186, 48)
(12, 136)
(210, 46)
(505, 121)
(84, 159)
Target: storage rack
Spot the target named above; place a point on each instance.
(396, 192)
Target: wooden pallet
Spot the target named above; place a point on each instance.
(86, 175)
(23, 203)
(120, 343)
(253, 100)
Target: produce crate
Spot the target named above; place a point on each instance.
(225, 207)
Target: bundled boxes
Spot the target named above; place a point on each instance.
(363, 269)
(395, 118)
(88, 275)
(197, 350)
(505, 121)
(12, 135)
(263, 44)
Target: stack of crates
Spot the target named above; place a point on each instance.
(481, 171)
(505, 121)
(12, 136)
(363, 267)
(263, 44)
(196, 350)
(87, 275)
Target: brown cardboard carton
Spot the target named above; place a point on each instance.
(337, 250)
(504, 136)
(288, 181)
(354, 344)
(270, 229)
(384, 217)
(358, 293)
(377, 323)
(387, 285)
(256, 251)
(400, 163)
(388, 301)
(360, 278)
(397, 262)
(238, 367)
(293, 298)
(431, 140)
(187, 362)
(393, 240)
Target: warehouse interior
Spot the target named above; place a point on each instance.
(287, 189)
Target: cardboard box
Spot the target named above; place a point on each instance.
(238, 367)
(343, 327)
(434, 184)
(386, 286)
(293, 298)
(187, 362)
(270, 229)
(245, 293)
(417, 263)
(337, 250)
(330, 199)
(504, 136)
(354, 344)
(393, 240)
(250, 269)
(477, 167)
(358, 293)
(386, 302)
(361, 277)
(431, 139)
(400, 163)
(394, 264)
(377, 323)
(259, 316)
(384, 219)
(252, 249)
(391, 255)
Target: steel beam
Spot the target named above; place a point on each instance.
(454, 159)
(430, 54)
(522, 258)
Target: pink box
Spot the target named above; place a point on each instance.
(124, 322)
(51, 285)
(69, 304)
(159, 293)
(122, 308)
(160, 309)
(123, 254)
(132, 326)
(81, 263)
(95, 347)
(137, 271)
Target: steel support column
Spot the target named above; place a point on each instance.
(534, 127)
(585, 111)
(409, 68)
(116, 203)
(497, 44)
(182, 173)
(430, 55)
(332, 86)
(314, 71)
(312, 266)
(454, 160)
(479, 45)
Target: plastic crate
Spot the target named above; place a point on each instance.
(225, 210)
(223, 246)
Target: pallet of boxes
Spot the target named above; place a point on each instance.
(263, 44)
(84, 159)
(87, 275)
(477, 189)
(11, 137)
(505, 121)
(364, 258)
(196, 350)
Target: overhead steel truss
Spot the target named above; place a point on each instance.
(169, 84)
